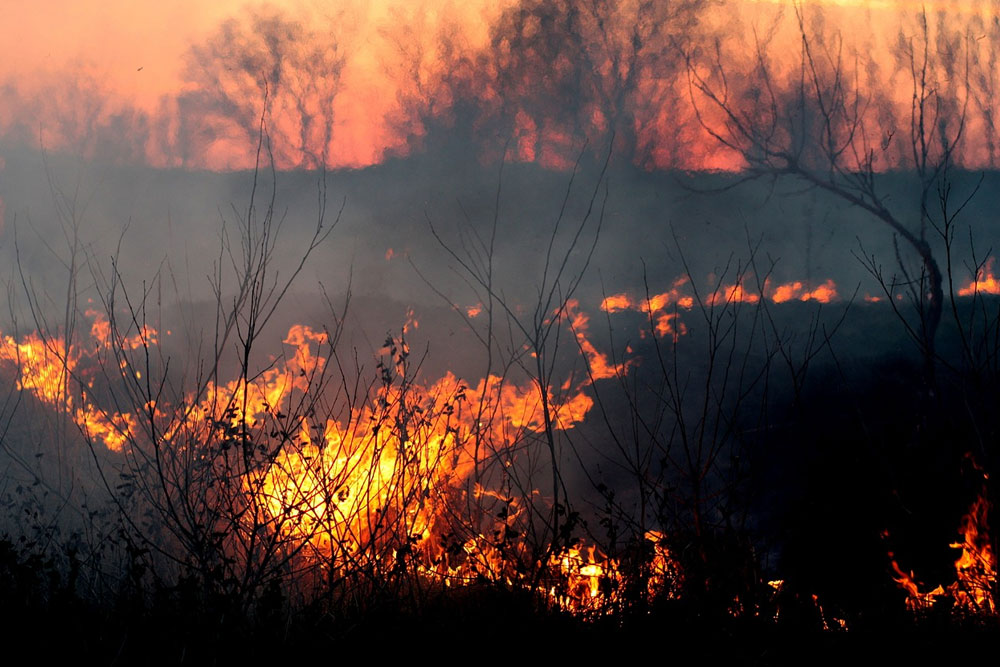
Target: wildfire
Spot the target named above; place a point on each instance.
(383, 483)
(652, 304)
(616, 303)
(824, 293)
(984, 283)
(664, 309)
(46, 369)
(591, 582)
(406, 457)
(599, 367)
(380, 484)
(975, 569)
(44, 366)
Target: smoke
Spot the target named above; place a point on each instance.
(439, 98)
(478, 172)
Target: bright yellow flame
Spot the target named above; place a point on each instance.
(382, 481)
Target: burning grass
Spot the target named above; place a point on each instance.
(415, 479)
(412, 477)
(610, 482)
(972, 592)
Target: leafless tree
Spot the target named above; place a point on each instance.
(830, 124)
(72, 113)
(556, 75)
(984, 75)
(296, 69)
(590, 68)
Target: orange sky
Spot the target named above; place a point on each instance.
(115, 38)
(136, 48)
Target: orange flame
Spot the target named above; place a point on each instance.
(616, 303)
(796, 290)
(984, 283)
(45, 369)
(592, 583)
(336, 488)
(975, 569)
(664, 309)
(732, 294)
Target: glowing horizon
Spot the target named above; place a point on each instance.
(132, 56)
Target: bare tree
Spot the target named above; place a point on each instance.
(432, 72)
(555, 75)
(830, 124)
(294, 68)
(984, 77)
(589, 68)
(177, 448)
(72, 113)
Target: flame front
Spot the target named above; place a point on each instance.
(46, 368)
(415, 475)
(412, 474)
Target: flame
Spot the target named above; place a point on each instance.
(382, 481)
(664, 309)
(984, 283)
(43, 364)
(591, 582)
(797, 290)
(977, 566)
(975, 569)
(732, 294)
(397, 465)
(668, 324)
(45, 369)
(616, 303)
(323, 490)
(599, 367)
